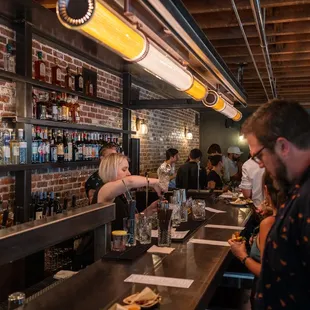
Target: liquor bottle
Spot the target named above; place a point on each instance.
(42, 106)
(60, 147)
(39, 207)
(5, 217)
(54, 107)
(65, 207)
(80, 146)
(64, 108)
(75, 150)
(41, 145)
(39, 68)
(89, 88)
(85, 147)
(69, 79)
(34, 105)
(46, 207)
(53, 148)
(35, 146)
(14, 148)
(52, 204)
(70, 147)
(6, 145)
(69, 105)
(79, 81)
(77, 113)
(9, 58)
(65, 142)
(1, 148)
(22, 147)
(46, 146)
(59, 108)
(56, 73)
(32, 207)
(57, 205)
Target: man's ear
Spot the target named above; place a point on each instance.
(282, 147)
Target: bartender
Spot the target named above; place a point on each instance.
(188, 174)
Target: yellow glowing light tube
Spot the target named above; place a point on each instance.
(102, 25)
(197, 91)
(216, 102)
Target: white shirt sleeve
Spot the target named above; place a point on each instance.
(246, 181)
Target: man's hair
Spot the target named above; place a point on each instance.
(109, 166)
(214, 149)
(105, 147)
(171, 153)
(195, 153)
(280, 118)
(215, 159)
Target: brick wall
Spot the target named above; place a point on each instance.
(166, 127)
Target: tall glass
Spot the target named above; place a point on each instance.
(129, 225)
(16, 300)
(176, 211)
(184, 212)
(164, 235)
(199, 210)
(145, 229)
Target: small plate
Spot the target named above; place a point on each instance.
(243, 203)
(150, 304)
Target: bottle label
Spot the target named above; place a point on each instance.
(15, 150)
(54, 109)
(39, 215)
(77, 116)
(53, 154)
(60, 149)
(70, 151)
(58, 74)
(23, 156)
(11, 64)
(42, 69)
(65, 113)
(81, 82)
(6, 151)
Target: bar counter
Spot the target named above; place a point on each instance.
(102, 284)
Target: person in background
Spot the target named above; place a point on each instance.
(253, 260)
(214, 178)
(251, 182)
(117, 181)
(187, 175)
(214, 149)
(232, 167)
(166, 171)
(278, 134)
(94, 181)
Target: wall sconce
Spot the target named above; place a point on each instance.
(241, 138)
(187, 133)
(141, 126)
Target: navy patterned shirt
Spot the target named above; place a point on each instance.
(284, 281)
(94, 182)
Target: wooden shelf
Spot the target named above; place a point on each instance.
(81, 127)
(16, 77)
(74, 164)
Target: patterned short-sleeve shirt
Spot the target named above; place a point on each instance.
(94, 182)
(284, 282)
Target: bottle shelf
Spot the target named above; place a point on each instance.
(50, 87)
(64, 125)
(72, 164)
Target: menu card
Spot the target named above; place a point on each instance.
(224, 227)
(161, 281)
(209, 242)
(174, 234)
(214, 210)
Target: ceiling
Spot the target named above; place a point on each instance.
(287, 26)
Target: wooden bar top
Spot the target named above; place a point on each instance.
(102, 284)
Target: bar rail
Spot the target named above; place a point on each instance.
(22, 240)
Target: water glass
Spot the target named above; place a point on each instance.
(199, 210)
(129, 226)
(184, 212)
(176, 212)
(119, 239)
(16, 300)
(145, 229)
(164, 235)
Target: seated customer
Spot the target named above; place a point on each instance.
(253, 260)
(214, 178)
(166, 171)
(117, 181)
(94, 181)
(214, 149)
(187, 176)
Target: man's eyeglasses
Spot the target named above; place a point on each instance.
(257, 157)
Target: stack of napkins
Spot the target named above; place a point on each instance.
(160, 250)
(64, 274)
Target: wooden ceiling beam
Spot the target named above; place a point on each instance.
(209, 6)
(228, 19)
(275, 65)
(251, 32)
(286, 57)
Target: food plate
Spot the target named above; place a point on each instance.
(238, 202)
(146, 299)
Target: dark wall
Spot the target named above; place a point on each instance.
(212, 130)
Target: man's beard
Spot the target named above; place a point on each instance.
(281, 176)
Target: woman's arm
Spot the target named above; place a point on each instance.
(110, 190)
(264, 228)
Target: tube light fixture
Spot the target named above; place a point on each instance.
(197, 91)
(216, 102)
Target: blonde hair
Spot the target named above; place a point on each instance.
(109, 166)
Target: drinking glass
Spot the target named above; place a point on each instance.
(129, 225)
(119, 239)
(184, 212)
(164, 235)
(199, 210)
(145, 229)
(16, 300)
(176, 211)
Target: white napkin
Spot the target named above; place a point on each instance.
(64, 274)
(161, 250)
